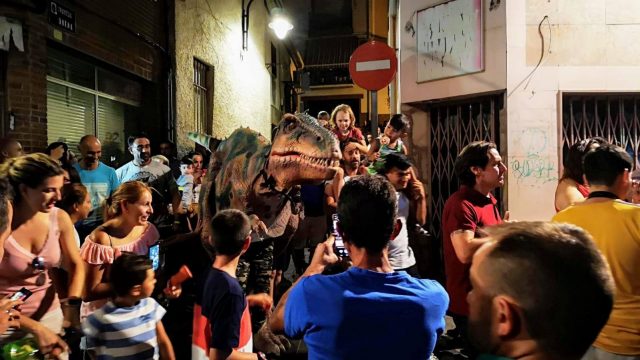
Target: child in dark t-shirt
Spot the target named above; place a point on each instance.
(222, 324)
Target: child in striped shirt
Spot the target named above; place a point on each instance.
(129, 325)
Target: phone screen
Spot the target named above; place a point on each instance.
(22, 294)
(154, 255)
(338, 244)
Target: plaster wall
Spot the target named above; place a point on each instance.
(491, 79)
(587, 48)
(211, 31)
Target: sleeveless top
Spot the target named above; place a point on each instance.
(17, 271)
(97, 254)
(582, 189)
(378, 165)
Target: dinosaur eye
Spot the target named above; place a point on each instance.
(290, 125)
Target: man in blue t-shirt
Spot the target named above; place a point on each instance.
(99, 179)
(368, 311)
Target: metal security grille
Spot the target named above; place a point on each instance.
(611, 116)
(200, 96)
(454, 125)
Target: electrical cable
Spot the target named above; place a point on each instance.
(540, 61)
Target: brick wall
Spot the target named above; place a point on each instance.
(26, 82)
(97, 35)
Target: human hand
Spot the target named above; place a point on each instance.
(50, 344)
(415, 187)
(322, 257)
(374, 156)
(172, 291)
(384, 140)
(262, 300)
(9, 317)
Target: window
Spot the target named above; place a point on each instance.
(202, 97)
(84, 99)
(611, 116)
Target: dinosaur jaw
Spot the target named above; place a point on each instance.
(293, 168)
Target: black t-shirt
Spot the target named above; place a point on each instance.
(224, 305)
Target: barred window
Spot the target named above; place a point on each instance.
(202, 109)
(613, 116)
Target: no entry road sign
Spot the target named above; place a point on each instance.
(373, 65)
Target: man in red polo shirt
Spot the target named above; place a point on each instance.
(480, 169)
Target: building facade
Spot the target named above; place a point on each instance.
(553, 73)
(336, 29)
(220, 86)
(90, 67)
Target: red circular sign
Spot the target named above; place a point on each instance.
(373, 65)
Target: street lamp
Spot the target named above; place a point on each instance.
(279, 22)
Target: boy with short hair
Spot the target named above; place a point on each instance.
(389, 142)
(222, 323)
(129, 325)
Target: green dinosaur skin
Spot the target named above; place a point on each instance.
(262, 179)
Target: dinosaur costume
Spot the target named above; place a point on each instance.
(248, 173)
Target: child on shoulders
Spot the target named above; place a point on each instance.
(389, 142)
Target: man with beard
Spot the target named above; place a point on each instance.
(541, 291)
(99, 179)
(350, 165)
(158, 176)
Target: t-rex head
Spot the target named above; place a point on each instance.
(302, 152)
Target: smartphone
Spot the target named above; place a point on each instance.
(154, 255)
(22, 294)
(338, 244)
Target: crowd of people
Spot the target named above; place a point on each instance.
(78, 276)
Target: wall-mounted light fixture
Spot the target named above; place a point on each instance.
(278, 22)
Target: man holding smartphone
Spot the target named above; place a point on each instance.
(368, 311)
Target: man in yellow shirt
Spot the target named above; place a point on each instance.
(615, 227)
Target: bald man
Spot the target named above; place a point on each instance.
(9, 148)
(100, 180)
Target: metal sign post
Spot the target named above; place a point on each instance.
(374, 114)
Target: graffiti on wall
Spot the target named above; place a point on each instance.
(533, 165)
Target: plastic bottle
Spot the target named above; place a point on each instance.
(23, 349)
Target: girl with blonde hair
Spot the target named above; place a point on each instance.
(127, 229)
(343, 122)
